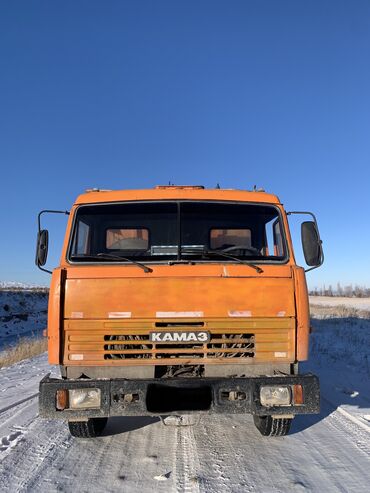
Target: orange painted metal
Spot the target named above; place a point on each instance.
(303, 313)
(140, 297)
(216, 269)
(173, 193)
(63, 262)
(55, 307)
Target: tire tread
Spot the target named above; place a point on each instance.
(272, 427)
(87, 429)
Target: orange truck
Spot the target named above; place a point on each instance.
(179, 300)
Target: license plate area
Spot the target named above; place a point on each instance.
(168, 399)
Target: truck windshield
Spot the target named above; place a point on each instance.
(178, 231)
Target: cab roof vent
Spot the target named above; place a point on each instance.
(89, 190)
(180, 187)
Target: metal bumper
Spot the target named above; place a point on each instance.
(120, 397)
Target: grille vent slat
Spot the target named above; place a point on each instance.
(221, 345)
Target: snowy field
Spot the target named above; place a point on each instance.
(359, 303)
(22, 314)
(329, 452)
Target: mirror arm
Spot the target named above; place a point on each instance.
(318, 235)
(39, 228)
(45, 270)
(51, 212)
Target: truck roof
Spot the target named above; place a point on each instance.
(169, 192)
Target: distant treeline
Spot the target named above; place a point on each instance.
(349, 291)
(32, 289)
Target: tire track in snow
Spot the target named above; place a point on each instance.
(348, 425)
(186, 465)
(14, 414)
(225, 453)
(15, 404)
(37, 450)
(15, 422)
(216, 451)
(349, 416)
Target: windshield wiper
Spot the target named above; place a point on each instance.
(221, 254)
(108, 256)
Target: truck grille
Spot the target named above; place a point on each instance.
(140, 347)
(127, 342)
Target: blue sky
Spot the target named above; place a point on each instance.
(131, 94)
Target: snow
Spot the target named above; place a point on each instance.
(341, 339)
(359, 303)
(327, 452)
(19, 285)
(22, 314)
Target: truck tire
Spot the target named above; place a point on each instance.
(87, 429)
(272, 427)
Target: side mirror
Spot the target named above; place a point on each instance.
(311, 244)
(42, 247)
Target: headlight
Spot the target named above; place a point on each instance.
(84, 398)
(275, 396)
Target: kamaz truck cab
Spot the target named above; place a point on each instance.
(178, 300)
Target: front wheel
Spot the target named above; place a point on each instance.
(87, 429)
(272, 427)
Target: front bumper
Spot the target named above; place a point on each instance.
(120, 397)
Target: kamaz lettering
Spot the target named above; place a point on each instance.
(179, 337)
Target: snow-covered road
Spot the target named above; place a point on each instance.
(329, 452)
